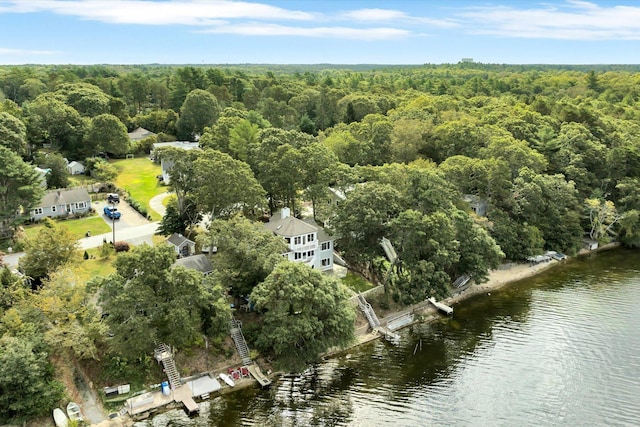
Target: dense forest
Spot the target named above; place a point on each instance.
(551, 153)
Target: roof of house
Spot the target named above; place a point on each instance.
(323, 236)
(290, 227)
(178, 240)
(140, 133)
(198, 262)
(74, 163)
(61, 197)
(185, 145)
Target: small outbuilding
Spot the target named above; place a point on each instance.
(75, 168)
(183, 246)
(589, 244)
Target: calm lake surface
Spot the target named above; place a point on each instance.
(562, 348)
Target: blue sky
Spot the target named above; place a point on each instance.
(312, 32)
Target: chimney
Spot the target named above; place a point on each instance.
(285, 213)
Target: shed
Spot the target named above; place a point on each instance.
(589, 244)
(183, 246)
(203, 386)
(75, 168)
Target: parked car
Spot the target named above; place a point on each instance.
(113, 198)
(112, 212)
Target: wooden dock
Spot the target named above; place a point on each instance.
(440, 306)
(258, 375)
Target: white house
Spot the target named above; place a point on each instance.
(307, 243)
(62, 202)
(183, 246)
(75, 168)
(167, 164)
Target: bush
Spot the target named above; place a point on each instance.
(121, 246)
(138, 207)
(86, 255)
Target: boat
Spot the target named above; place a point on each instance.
(60, 418)
(227, 379)
(73, 411)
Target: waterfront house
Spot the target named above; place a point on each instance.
(183, 246)
(61, 203)
(477, 204)
(306, 242)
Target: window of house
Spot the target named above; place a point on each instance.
(297, 255)
(326, 246)
(326, 262)
(54, 208)
(288, 240)
(81, 205)
(37, 211)
(297, 240)
(310, 237)
(310, 253)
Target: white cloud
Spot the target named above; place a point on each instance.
(572, 20)
(25, 52)
(380, 15)
(185, 12)
(259, 29)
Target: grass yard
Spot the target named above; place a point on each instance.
(356, 282)
(77, 227)
(138, 178)
(95, 266)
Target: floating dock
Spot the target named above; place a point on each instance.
(258, 375)
(440, 306)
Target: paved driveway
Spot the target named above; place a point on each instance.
(129, 218)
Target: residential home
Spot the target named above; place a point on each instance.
(478, 204)
(61, 203)
(307, 242)
(183, 246)
(198, 262)
(75, 168)
(140, 134)
(167, 164)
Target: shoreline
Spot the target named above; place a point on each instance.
(497, 279)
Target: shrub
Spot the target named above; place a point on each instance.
(86, 255)
(121, 246)
(139, 207)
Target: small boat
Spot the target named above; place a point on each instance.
(73, 411)
(227, 379)
(60, 418)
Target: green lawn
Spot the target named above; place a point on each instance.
(87, 269)
(138, 178)
(77, 227)
(356, 282)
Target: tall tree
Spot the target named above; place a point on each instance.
(199, 110)
(247, 252)
(225, 186)
(49, 249)
(13, 133)
(305, 314)
(107, 133)
(148, 301)
(19, 187)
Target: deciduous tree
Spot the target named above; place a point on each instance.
(305, 314)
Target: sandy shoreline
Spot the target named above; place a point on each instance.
(496, 280)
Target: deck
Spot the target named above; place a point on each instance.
(259, 376)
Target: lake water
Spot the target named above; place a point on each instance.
(562, 348)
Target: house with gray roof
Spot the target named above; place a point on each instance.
(62, 202)
(140, 134)
(183, 246)
(306, 241)
(198, 262)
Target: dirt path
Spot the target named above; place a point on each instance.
(91, 405)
